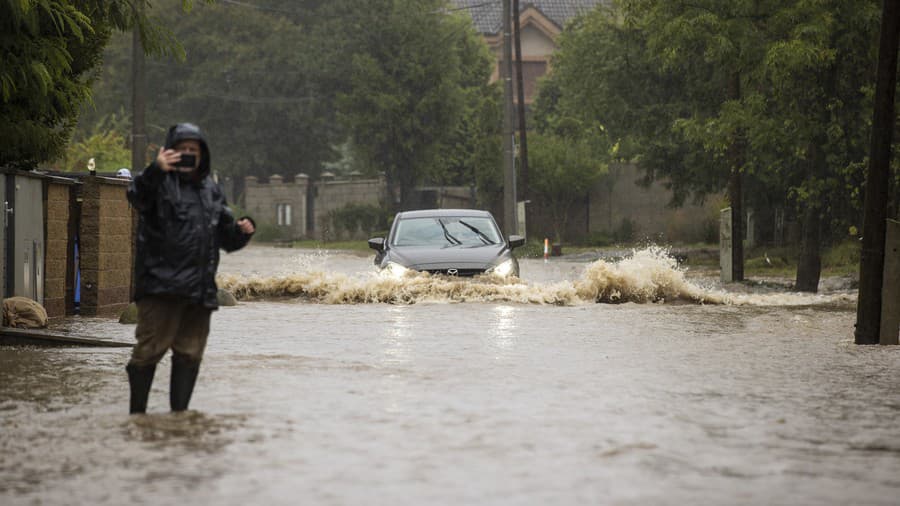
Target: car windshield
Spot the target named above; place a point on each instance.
(446, 231)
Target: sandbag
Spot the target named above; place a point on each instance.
(23, 313)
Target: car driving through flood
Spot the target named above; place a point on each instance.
(454, 242)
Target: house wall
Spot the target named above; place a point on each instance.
(538, 38)
(107, 246)
(536, 43)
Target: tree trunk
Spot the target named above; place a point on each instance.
(809, 265)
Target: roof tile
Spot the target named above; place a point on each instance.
(486, 13)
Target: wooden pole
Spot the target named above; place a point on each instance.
(523, 137)
(871, 264)
(510, 222)
(138, 95)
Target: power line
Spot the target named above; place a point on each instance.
(276, 9)
(258, 7)
(468, 7)
(247, 99)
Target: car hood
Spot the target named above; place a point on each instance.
(421, 257)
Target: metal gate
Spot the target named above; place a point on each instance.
(3, 224)
(24, 236)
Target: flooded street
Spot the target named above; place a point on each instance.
(328, 384)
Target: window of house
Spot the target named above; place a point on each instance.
(283, 213)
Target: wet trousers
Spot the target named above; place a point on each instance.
(169, 322)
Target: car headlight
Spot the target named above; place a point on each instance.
(503, 269)
(395, 270)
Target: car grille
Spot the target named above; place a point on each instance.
(463, 273)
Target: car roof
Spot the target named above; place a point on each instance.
(436, 213)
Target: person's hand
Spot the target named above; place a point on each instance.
(167, 158)
(246, 226)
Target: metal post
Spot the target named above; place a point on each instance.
(510, 221)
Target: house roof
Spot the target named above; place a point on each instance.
(486, 13)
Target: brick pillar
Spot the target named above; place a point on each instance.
(56, 265)
(106, 247)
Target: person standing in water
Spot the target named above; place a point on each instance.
(183, 221)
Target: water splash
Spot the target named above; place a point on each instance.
(647, 275)
(332, 288)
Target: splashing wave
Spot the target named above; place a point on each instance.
(648, 275)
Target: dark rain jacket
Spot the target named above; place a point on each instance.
(182, 225)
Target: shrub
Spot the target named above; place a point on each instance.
(354, 220)
(626, 231)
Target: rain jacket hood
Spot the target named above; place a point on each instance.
(190, 131)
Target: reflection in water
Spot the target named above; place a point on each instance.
(502, 333)
(396, 345)
(191, 430)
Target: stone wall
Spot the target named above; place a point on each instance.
(264, 199)
(618, 209)
(333, 195)
(56, 251)
(619, 202)
(106, 253)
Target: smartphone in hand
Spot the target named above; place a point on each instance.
(187, 161)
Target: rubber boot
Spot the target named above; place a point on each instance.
(184, 376)
(140, 378)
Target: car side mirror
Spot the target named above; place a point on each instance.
(515, 241)
(377, 243)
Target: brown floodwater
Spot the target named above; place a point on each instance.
(331, 384)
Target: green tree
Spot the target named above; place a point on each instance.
(563, 171)
(809, 118)
(107, 149)
(403, 99)
(49, 52)
(391, 86)
(247, 78)
(711, 95)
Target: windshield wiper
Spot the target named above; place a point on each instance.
(447, 235)
(479, 233)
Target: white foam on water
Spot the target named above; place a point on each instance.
(647, 275)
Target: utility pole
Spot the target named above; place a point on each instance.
(510, 221)
(735, 192)
(871, 263)
(523, 140)
(138, 94)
